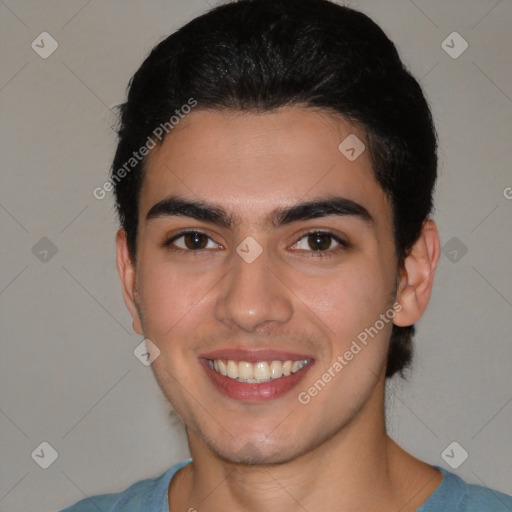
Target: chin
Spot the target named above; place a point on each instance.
(257, 451)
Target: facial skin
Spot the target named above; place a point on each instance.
(290, 298)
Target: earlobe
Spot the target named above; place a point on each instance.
(126, 270)
(417, 277)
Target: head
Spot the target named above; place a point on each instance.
(242, 107)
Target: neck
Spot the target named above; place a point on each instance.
(359, 466)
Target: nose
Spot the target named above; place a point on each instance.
(252, 296)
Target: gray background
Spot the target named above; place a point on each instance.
(68, 373)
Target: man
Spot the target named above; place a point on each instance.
(274, 180)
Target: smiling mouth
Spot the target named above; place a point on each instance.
(259, 372)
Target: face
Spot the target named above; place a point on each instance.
(263, 256)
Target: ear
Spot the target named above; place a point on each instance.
(417, 277)
(126, 270)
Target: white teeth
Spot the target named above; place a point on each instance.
(232, 370)
(262, 371)
(245, 370)
(276, 369)
(295, 366)
(222, 368)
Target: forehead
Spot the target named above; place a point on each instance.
(252, 163)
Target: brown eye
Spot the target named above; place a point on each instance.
(195, 240)
(319, 241)
(192, 241)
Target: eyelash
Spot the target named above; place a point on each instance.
(314, 254)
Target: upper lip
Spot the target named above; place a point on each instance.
(253, 355)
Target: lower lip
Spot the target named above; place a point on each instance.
(253, 393)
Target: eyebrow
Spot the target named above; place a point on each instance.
(313, 209)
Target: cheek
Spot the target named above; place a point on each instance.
(349, 299)
(351, 306)
(167, 297)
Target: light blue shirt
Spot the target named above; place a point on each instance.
(452, 495)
